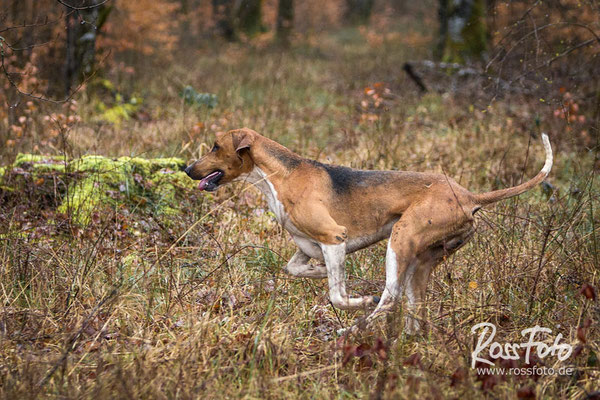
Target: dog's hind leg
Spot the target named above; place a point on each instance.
(298, 266)
(406, 258)
(416, 279)
(392, 292)
(394, 288)
(415, 282)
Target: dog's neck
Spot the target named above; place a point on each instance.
(260, 179)
(272, 164)
(274, 161)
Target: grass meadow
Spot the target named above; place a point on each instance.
(194, 304)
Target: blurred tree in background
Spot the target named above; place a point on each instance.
(250, 16)
(359, 11)
(223, 13)
(82, 30)
(285, 21)
(236, 17)
(462, 33)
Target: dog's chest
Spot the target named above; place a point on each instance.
(261, 181)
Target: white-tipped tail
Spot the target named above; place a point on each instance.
(548, 150)
(497, 195)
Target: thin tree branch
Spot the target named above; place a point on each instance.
(534, 32)
(35, 25)
(82, 8)
(550, 61)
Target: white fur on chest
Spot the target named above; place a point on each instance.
(259, 179)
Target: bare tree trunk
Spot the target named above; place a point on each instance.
(235, 16)
(443, 32)
(400, 6)
(463, 33)
(250, 16)
(223, 13)
(285, 21)
(359, 11)
(83, 28)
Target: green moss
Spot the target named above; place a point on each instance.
(117, 114)
(121, 111)
(96, 181)
(166, 183)
(3, 187)
(40, 164)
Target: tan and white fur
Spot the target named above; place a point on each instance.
(331, 211)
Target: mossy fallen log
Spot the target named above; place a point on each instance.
(78, 187)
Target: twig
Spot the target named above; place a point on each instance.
(303, 374)
(539, 270)
(71, 344)
(414, 76)
(550, 61)
(84, 7)
(35, 25)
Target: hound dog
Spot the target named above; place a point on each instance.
(331, 211)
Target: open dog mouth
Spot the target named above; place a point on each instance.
(211, 181)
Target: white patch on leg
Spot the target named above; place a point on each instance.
(334, 255)
(412, 324)
(548, 149)
(309, 247)
(391, 273)
(392, 293)
(297, 261)
(409, 274)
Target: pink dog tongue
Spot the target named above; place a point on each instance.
(204, 182)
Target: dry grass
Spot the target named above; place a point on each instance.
(196, 306)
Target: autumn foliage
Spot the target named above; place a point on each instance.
(147, 27)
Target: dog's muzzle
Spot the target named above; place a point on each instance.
(209, 182)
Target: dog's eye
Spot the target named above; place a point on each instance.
(215, 148)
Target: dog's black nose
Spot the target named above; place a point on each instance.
(188, 169)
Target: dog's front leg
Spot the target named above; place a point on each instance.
(334, 255)
(298, 266)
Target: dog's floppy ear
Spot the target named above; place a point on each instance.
(242, 139)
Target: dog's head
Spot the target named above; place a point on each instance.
(228, 159)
